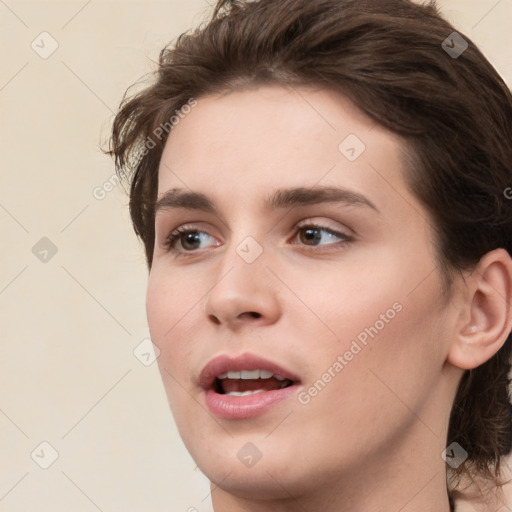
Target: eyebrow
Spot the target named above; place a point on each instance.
(280, 199)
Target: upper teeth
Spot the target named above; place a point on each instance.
(250, 374)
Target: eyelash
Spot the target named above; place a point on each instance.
(177, 233)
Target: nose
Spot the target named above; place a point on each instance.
(243, 294)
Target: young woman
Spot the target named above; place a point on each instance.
(323, 191)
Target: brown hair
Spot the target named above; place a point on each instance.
(453, 112)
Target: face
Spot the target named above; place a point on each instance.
(310, 259)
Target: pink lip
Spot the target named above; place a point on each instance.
(239, 407)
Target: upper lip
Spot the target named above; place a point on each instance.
(224, 363)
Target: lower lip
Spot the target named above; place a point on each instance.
(240, 407)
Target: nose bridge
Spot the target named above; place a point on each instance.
(241, 269)
(243, 284)
(246, 245)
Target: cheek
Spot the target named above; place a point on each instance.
(387, 329)
(170, 314)
(171, 298)
(391, 346)
(356, 301)
(389, 294)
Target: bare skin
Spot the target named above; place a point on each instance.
(372, 438)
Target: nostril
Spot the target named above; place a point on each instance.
(214, 319)
(253, 314)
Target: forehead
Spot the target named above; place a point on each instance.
(248, 143)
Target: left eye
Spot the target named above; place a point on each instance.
(312, 233)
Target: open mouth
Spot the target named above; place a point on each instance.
(249, 382)
(242, 386)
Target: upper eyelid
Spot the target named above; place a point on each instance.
(306, 220)
(301, 224)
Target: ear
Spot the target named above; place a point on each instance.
(486, 319)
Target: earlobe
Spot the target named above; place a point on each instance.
(488, 317)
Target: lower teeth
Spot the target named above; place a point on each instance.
(245, 393)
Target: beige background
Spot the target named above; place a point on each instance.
(70, 324)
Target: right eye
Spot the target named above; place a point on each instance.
(188, 238)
